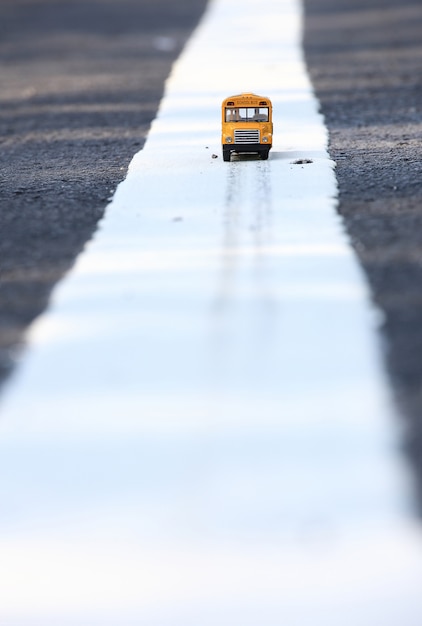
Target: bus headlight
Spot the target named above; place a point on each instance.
(228, 139)
(265, 139)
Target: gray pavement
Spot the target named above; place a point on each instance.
(365, 61)
(81, 81)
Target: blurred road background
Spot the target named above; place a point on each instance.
(80, 84)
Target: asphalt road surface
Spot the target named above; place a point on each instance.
(80, 84)
(365, 61)
(81, 81)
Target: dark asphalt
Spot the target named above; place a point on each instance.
(365, 60)
(80, 83)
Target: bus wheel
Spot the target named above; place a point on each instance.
(226, 155)
(264, 154)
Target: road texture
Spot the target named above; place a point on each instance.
(81, 81)
(365, 61)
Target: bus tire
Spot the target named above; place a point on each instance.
(264, 154)
(226, 155)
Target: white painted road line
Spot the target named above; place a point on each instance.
(201, 432)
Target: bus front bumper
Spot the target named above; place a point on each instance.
(246, 147)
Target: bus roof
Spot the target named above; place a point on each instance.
(245, 99)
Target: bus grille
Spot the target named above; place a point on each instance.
(246, 136)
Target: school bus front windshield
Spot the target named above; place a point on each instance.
(247, 114)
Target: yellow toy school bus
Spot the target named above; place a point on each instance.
(246, 125)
